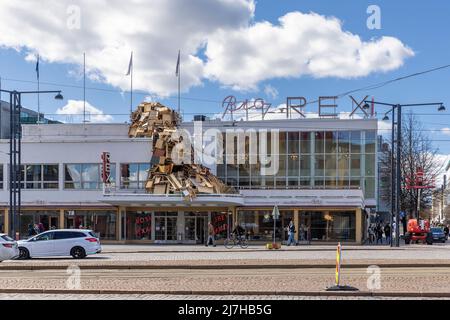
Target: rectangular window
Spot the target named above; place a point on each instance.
(259, 224)
(102, 222)
(39, 176)
(305, 165)
(355, 165)
(319, 166)
(293, 165)
(344, 142)
(370, 141)
(133, 175)
(85, 176)
(355, 141)
(330, 165)
(331, 142)
(139, 225)
(370, 165)
(319, 142)
(305, 142)
(293, 142)
(1, 176)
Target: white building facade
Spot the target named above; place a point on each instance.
(326, 183)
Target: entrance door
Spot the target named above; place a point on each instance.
(202, 229)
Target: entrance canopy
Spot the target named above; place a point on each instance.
(171, 200)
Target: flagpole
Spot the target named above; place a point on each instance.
(179, 77)
(131, 84)
(38, 97)
(84, 87)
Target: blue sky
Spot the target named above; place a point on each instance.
(422, 26)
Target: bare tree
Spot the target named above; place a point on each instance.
(417, 151)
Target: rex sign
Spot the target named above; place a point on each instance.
(106, 167)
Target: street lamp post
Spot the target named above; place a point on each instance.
(398, 174)
(15, 153)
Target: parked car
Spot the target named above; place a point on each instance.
(438, 235)
(77, 243)
(8, 248)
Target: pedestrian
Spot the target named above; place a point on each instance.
(211, 234)
(41, 227)
(446, 231)
(302, 232)
(371, 234)
(36, 229)
(387, 233)
(31, 231)
(291, 233)
(379, 233)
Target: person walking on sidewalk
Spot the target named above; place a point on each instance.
(379, 233)
(291, 233)
(387, 233)
(211, 234)
(371, 234)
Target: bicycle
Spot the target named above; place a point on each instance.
(234, 241)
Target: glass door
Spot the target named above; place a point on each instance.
(202, 229)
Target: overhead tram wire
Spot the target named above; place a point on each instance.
(340, 95)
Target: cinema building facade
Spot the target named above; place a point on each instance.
(326, 183)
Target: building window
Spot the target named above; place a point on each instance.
(139, 225)
(85, 176)
(39, 176)
(1, 176)
(328, 226)
(133, 175)
(34, 222)
(259, 224)
(102, 222)
(166, 226)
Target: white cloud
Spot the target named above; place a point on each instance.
(446, 131)
(74, 112)
(109, 30)
(302, 44)
(239, 52)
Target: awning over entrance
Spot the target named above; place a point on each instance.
(353, 198)
(171, 200)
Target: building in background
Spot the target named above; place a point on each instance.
(27, 117)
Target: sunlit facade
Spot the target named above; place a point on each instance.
(325, 183)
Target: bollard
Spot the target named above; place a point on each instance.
(337, 277)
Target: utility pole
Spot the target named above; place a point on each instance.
(15, 154)
(398, 184)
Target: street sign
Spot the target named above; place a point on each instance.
(276, 213)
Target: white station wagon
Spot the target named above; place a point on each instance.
(77, 243)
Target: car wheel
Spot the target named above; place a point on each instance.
(78, 253)
(24, 253)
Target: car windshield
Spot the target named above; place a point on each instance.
(437, 230)
(6, 238)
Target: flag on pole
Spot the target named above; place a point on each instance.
(37, 67)
(177, 70)
(130, 65)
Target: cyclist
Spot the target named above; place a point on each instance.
(238, 231)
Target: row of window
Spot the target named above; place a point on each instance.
(79, 176)
(343, 142)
